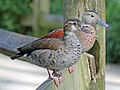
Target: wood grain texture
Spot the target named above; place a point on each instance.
(10, 41)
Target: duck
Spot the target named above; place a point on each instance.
(66, 55)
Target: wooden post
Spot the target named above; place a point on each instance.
(43, 21)
(40, 8)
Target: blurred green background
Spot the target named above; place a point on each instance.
(14, 14)
(113, 40)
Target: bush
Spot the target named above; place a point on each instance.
(55, 6)
(11, 12)
(113, 40)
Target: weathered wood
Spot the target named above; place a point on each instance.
(10, 41)
(36, 17)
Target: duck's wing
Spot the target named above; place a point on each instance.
(59, 33)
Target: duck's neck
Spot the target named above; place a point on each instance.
(70, 38)
(83, 21)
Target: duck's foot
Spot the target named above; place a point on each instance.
(56, 77)
(60, 79)
(71, 69)
(57, 80)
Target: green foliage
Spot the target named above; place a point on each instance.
(113, 32)
(11, 12)
(56, 7)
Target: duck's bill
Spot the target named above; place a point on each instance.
(100, 22)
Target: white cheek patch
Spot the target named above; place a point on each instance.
(73, 28)
(69, 33)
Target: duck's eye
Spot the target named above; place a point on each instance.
(74, 23)
(92, 15)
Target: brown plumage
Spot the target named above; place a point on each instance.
(87, 38)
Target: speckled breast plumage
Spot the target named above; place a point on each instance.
(87, 39)
(67, 55)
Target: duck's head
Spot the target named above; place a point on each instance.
(72, 25)
(91, 17)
